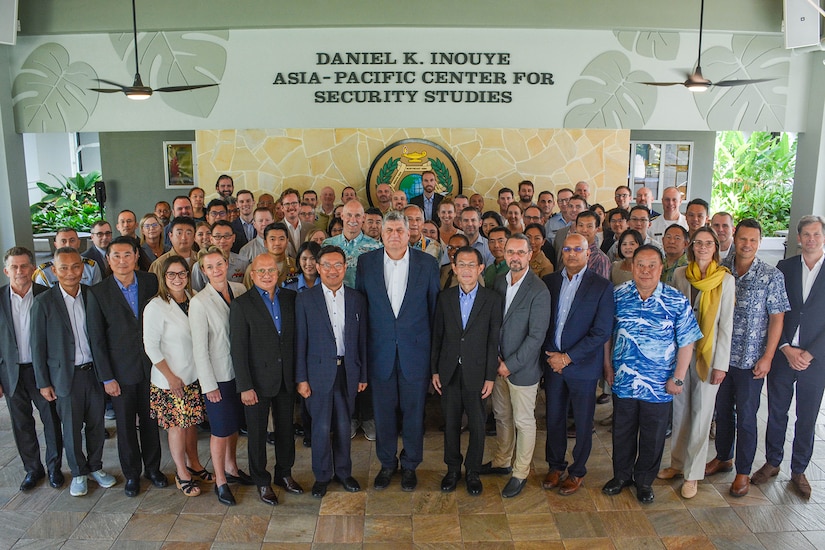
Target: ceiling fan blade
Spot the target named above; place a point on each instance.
(106, 90)
(728, 83)
(121, 86)
(184, 88)
(661, 83)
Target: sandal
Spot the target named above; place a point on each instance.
(204, 475)
(188, 487)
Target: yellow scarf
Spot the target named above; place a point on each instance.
(711, 289)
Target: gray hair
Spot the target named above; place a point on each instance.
(396, 216)
(807, 220)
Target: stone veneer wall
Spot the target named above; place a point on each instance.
(489, 158)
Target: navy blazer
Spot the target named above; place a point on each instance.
(53, 340)
(115, 334)
(418, 200)
(240, 236)
(807, 316)
(589, 324)
(316, 352)
(9, 360)
(408, 336)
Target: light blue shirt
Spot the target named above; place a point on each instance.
(569, 287)
(272, 306)
(465, 302)
(130, 293)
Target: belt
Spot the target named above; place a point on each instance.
(84, 366)
(24, 365)
(339, 360)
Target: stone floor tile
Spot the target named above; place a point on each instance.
(580, 525)
(242, 529)
(148, 527)
(100, 526)
(195, 528)
(291, 528)
(55, 525)
(388, 529)
(484, 527)
(340, 529)
(533, 527)
(344, 504)
(626, 524)
(436, 528)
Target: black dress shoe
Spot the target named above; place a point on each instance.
(289, 484)
(243, 431)
(270, 438)
(644, 493)
(602, 399)
(513, 487)
(267, 495)
(350, 484)
(450, 481)
(382, 480)
(669, 432)
(132, 487)
(299, 430)
(319, 489)
(408, 480)
(488, 469)
(224, 494)
(474, 486)
(307, 442)
(56, 479)
(615, 486)
(31, 479)
(158, 479)
(242, 478)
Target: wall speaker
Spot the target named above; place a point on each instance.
(801, 24)
(8, 22)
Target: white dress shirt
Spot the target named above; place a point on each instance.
(395, 279)
(808, 278)
(336, 311)
(77, 316)
(21, 307)
(512, 289)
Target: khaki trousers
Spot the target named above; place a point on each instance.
(514, 408)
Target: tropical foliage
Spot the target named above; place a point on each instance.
(753, 177)
(69, 204)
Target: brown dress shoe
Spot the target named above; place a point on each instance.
(716, 466)
(764, 473)
(552, 479)
(267, 495)
(801, 483)
(669, 473)
(570, 485)
(740, 485)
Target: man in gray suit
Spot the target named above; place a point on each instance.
(63, 369)
(526, 318)
(17, 376)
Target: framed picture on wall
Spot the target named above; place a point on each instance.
(181, 168)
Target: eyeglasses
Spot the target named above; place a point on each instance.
(462, 265)
(267, 271)
(222, 237)
(704, 244)
(172, 275)
(517, 252)
(289, 204)
(622, 195)
(102, 234)
(151, 225)
(638, 219)
(336, 265)
(576, 249)
(217, 213)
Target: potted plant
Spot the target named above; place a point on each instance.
(69, 204)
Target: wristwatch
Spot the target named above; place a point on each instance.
(678, 381)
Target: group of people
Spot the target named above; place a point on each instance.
(358, 315)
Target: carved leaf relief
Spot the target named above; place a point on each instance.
(663, 46)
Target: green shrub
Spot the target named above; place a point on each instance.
(70, 204)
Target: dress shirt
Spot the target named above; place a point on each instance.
(428, 206)
(396, 273)
(294, 234)
(272, 306)
(660, 224)
(253, 248)
(808, 278)
(598, 261)
(130, 293)
(336, 311)
(77, 316)
(569, 287)
(248, 230)
(481, 245)
(21, 308)
(465, 302)
(512, 289)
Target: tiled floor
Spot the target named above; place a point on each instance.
(770, 517)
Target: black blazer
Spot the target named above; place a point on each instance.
(262, 358)
(94, 254)
(240, 236)
(476, 346)
(807, 316)
(9, 368)
(53, 340)
(115, 334)
(418, 200)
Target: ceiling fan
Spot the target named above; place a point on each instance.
(696, 82)
(137, 90)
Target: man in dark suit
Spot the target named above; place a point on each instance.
(243, 226)
(429, 200)
(581, 319)
(331, 366)
(262, 330)
(464, 363)
(101, 236)
(17, 376)
(523, 330)
(401, 286)
(63, 369)
(801, 359)
(115, 321)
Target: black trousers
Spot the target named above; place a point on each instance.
(136, 451)
(331, 412)
(638, 439)
(257, 418)
(24, 429)
(457, 398)
(83, 406)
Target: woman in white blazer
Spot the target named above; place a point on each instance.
(711, 290)
(209, 323)
(175, 396)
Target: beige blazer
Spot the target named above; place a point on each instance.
(723, 329)
(209, 323)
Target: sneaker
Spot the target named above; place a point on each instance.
(369, 429)
(353, 427)
(103, 479)
(78, 488)
(109, 414)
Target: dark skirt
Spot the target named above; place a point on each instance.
(174, 412)
(226, 415)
